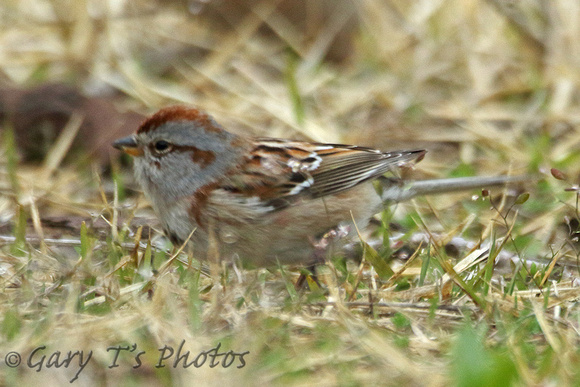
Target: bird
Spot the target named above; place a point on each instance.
(267, 201)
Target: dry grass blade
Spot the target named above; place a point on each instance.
(62, 145)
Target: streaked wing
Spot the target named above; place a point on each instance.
(281, 171)
(344, 167)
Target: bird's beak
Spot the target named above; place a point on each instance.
(129, 145)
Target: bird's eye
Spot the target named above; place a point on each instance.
(161, 146)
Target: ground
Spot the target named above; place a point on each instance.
(475, 288)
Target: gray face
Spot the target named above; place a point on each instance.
(181, 157)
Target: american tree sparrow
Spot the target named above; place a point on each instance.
(264, 199)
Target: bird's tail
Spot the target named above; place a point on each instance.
(398, 191)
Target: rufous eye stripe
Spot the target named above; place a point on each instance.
(199, 156)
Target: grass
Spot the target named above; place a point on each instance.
(465, 289)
